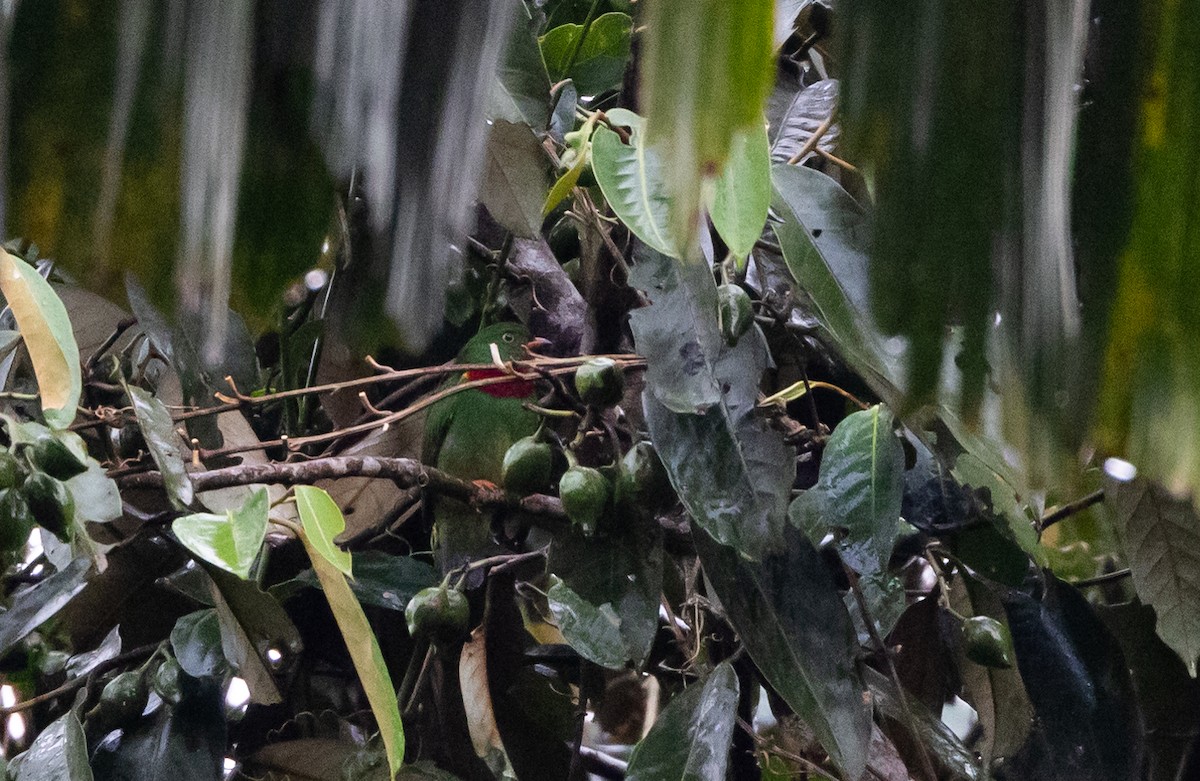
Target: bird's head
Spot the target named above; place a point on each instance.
(510, 340)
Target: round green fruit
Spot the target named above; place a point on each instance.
(643, 481)
(987, 642)
(600, 382)
(737, 314)
(439, 614)
(16, 520)
(52, 456)
(123, 699)
(528, 466)
(51, 503)
(166, 681)
(12, 472)
(585, 494)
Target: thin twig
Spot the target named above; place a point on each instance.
(1069, 509)
(1107, 577)
(74, 683)
(811, 143)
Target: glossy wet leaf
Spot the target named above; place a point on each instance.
(792, 622)
(196, 643)
(364, 650)
(230, 541)
(44, 325)
(154, 420)
(515, 179)
(743, 192)
(859, 490)
(678, 333)
(612, 584)
(83, 663)
(58, 753)
(943, 747)
(1161, 538)
(705, 74)
(824, 236)
(795, 116)
(96, 495)
(33, 606)
(323, 521)
(691, 738)
(631, 178)
(595, 64)
(592, 630)
(1079, 684)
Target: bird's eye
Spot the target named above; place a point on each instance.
(508, 337)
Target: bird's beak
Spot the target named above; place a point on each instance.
(535, 345)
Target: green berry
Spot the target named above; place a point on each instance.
(600, 382)
(51, 503)
(52, 456)
(16, 520)
(12, 472)
(987, 642)
(528, 466)
(737, 314)
(439, 614)
(585, 493)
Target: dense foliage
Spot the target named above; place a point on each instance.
(759, 437)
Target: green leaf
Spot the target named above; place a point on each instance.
(514, 178)
(705, 75)
(859, 490)
(59, 753)
(196, 643)
(743, 192)
(96, 495)
(598, 62)
(823, 234)
(44, 325)
(364, 651)
(692, 737)
(323, 522)
(383, 580)
(154, 419)
(794, 625)
(84, 663)
(923, 728)
(230, 541)
(1161, 538)
(521, 92)
(257, 637)
(592, 630)
(613, 581)
(33, 606)
(795, 114)
(631, 178)
(679, 333)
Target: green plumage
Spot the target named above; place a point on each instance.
(467, 435)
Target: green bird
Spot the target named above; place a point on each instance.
(467, 435)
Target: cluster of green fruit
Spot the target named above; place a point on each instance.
(33, 491)
(123, 699)
(589, 494)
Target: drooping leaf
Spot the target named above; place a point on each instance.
(794, 625)
(705, 75)
(323, 521)
(592, 630)
(859, 490)
(58, 753)
(33, 606)
(230, 541)
(521, 92)
(44, 325)
(186, 742)
(474, 683)
(743, 192)
(515, 181)
(196, 643)
(1088, 720)
(631, 178)
(678, 334)
(925, 732)
(110, 646)
(692, 737)
(383, 580)
(1161, 538)
(154, 420)
(364, 650)
(731, 472)
(257, 636)
(824, 236)
(595, 64)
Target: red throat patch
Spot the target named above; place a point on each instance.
(517, 389)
